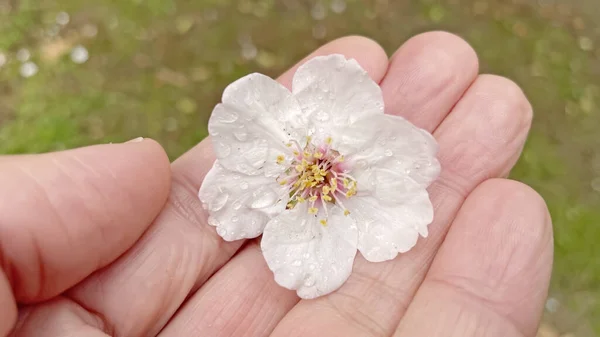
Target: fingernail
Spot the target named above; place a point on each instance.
(135, 140)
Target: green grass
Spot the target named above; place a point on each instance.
(157, 68)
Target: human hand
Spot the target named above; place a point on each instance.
(88, 246)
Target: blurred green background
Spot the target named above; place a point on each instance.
(81, 72)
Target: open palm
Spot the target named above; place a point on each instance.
(112, 240)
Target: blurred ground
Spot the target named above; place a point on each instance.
(74, 73)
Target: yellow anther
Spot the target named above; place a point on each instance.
(307, 154)
(318, 155)
(299, 168)
(280, 159)
(323, 222)
(326, 189)
(315, 168)
(297, 183)
(296, 153)
(323, 173)
(313, 184)
(327, 198)
(304, 163)
(308, 139)
(345, 182)
(290, 205)
(283, 182)
(319, 178)
(350, 193)
(340, 159)
(346, 212)
(288, 144)
(312, 198)
(328, 140)
(300, 199)
(313, 210)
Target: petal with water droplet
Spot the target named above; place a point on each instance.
(314, 259)
(230, 202)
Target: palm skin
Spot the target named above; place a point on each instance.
(111, 240)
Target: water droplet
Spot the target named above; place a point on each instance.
(417, 166)
(241, 135)
(218, 202)
(263, 197)
(303, 223)
(253, 222)
(236, 205)
(312, 266)
(306, 255)
(407, 171)
(388, 153)
(79, 54)
(394, 138)
(222, 149)
(62, 18)
(28, 69)
(244, 185)
(213, 221)
(235, 219)
(221, 231)
(296, 263)
(226, 116)
(243, 234)
(322, 116)
(309, 281)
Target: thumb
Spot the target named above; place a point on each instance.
(64, 215)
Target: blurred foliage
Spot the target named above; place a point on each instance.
(157, 67)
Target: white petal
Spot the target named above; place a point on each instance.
(334, 91)
(239, 205)
(306, 256)
(392, 143)
(250, 128)
(386, 230)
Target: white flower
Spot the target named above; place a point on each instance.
(320, 171)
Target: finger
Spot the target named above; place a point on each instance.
(491, 275)
(480, 138)
(140, 292)
(427, 76)
(64, 215)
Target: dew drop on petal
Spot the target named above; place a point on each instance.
(322, 116)
(236, 205)
(221, 231)
(243, 234)
(388, 153)
(263, 197)
(219, 202)
(226, 116)
(240, 135)
(306, 255)
(234, 219)
(312, 266)
(222, 149)
(244, 185)
(309, 281)
(213, 221)
(296, 263)
(253, 222)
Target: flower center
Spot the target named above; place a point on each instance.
(316, 175)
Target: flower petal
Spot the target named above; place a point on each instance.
(386, 230)
(392, 143)
(306, 256)
(239, 205)
(334, 91)
(250, 128)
